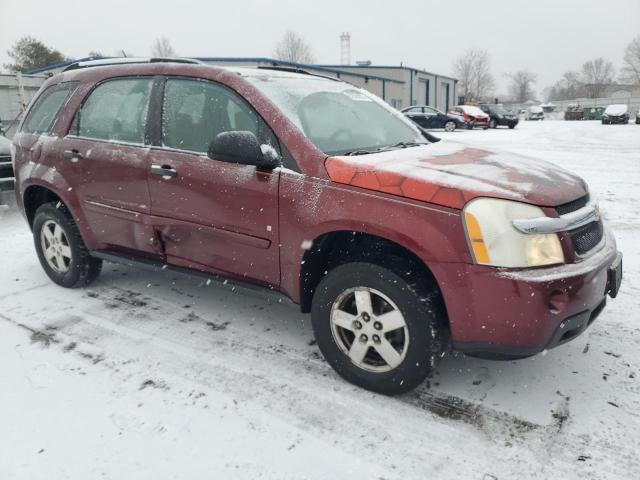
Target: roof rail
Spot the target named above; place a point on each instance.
(294, 70)
(128, 60)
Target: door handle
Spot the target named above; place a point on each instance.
(72, 154)
(165, 171)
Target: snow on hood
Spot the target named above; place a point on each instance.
(450, 174)
(616, 109)
(471, 110)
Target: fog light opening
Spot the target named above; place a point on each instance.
(558, 301)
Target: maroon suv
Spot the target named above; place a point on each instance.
(310, 186)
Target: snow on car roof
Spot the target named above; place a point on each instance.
(616, 109)
(472, 110)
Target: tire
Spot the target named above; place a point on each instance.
(512, 126)
(344, 327)
(493, 124)
(62, 253)
(449, 126)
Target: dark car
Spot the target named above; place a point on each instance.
(428, 117)
(618, 113)
(574, 112)
(638, 116)
(6, 168)
(319, 190)
(499, 115)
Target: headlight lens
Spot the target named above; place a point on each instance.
(493, 240)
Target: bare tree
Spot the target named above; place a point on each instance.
(521, 87)
(597, 74)
(630, 72)
(162, 48)
(293, 48)
(472, 69)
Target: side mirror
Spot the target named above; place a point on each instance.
(243, 147)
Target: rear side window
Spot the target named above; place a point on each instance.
(116, 110)
(195, 111)
(44, 111)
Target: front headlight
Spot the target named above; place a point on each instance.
(493, 240)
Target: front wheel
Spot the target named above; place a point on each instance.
(61, 251)
(449, 126)
(375, 329)
(512, 126)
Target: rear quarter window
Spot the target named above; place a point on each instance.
(45, 110)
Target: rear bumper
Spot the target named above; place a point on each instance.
(506, 313)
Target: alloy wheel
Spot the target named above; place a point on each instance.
(369, 328)
(55, 247)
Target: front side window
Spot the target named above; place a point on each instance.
(336, 117)
(116, 110)
(45, 110)
(195, 111)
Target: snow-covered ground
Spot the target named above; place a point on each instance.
(155, 376)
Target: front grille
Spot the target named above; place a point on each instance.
(573, 205)
(587, 237)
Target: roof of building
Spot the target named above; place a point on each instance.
(398, 67)
(284, 63)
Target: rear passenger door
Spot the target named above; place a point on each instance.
(213, 215)
(106, 161)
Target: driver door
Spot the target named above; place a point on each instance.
(209, 214)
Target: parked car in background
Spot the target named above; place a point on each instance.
(573, 112)
(592, 113)
(617, 113)
(396, 246)
(471, 115)
(6, 167)
(535, 112)
(428, 117)
(638, 116)
(499, 115)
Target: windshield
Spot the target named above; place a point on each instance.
(471, 110)
(336, 117)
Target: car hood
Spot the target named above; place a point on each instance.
(451, 174)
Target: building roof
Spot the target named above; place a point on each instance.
(398, 67)
(284, 63)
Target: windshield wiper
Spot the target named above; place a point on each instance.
(359, 152)
(384, 149)
(401, 145)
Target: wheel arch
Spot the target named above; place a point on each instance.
(334, 248)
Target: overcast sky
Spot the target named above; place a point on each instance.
(545, 36)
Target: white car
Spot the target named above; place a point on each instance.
(535, 113)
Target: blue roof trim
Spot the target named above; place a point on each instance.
(62, 65)
(392, 67)
(285, 63)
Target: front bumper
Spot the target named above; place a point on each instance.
(509, 313)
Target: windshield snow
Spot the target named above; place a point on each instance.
(616, 110)
(471, 110)
(335, 116)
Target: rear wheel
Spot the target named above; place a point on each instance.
(512, 126)
(493, 124)
(376, 329)
(449, 126)
(60, 248)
